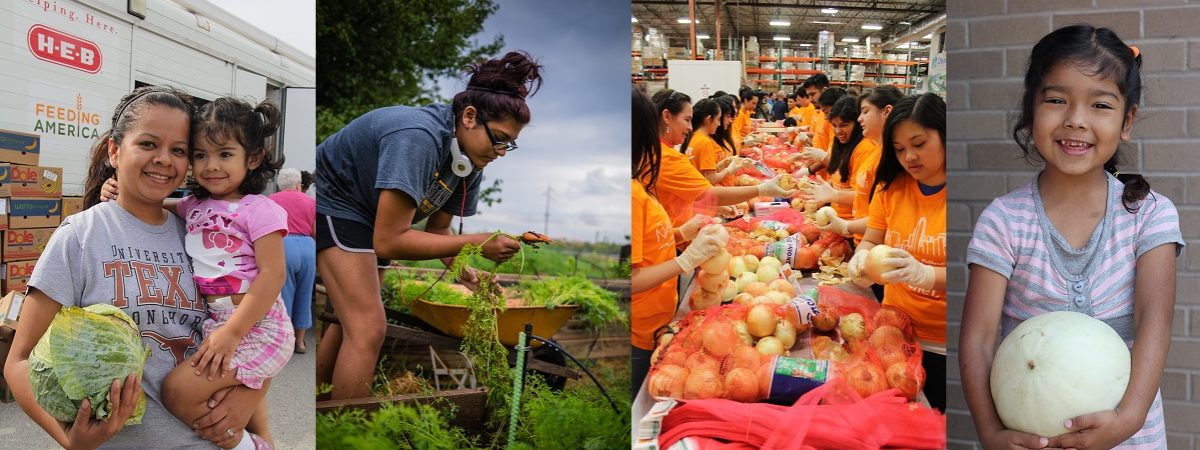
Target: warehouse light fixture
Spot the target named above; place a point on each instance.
(780, 23)
(927, 37)
(829, 11)
(701, 36)
(806, 45)
(849, 39)
(684, 20)
(781, 38)
(869, 26)
(905, 23)
(824, 22)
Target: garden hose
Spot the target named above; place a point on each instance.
(555, 346)
(518, 382)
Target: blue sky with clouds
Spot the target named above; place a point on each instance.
(578, 140)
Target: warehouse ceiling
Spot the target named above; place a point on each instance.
(899, 19)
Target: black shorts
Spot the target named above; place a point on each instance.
(347, 235)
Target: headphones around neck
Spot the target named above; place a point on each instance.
(460, 164)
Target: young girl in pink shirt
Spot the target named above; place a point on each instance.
(235, 239)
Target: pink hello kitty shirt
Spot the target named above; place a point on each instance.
(220, 239)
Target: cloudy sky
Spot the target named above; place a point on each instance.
(291, 21)
(578, 140)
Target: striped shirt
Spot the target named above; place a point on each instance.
(1015, 238)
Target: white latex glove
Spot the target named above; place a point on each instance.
(908, 270)
(854, 269)
(818, 191)
(690, 228)
(771, 188)
(836, 225)
(814, 155)
(706, 245)
(727, 212)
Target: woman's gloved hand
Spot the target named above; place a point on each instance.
(706, 245)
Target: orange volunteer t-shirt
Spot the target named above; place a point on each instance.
(916, 223)
(741, 124)
(705, 153)
(824, 138)
(653, 243)
(679, 185)
(863, 163)
(808, 115)
(846, 211)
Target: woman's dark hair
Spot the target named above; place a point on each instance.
(927, 110)
(882, 96)
(703, 109)
(845, 109)
(746, 93)
(830, 96)
(228, 118)
(789, 122)
(306, 179)
(724, 136)
(670, 100)
(127, 111)
(646, 150)
(1095, 52)
(498, 88)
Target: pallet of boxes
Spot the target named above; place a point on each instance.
(31, 208)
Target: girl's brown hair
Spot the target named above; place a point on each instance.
(229, 118)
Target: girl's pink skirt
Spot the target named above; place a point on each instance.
(265, 349)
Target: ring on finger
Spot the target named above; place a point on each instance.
(229, 431)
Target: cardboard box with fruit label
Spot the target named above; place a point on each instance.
(34, 212)
(20, 148)
(33, 181)
(16, 275)
(25, 243)
(71, 205)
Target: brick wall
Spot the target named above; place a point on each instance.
(989, 43)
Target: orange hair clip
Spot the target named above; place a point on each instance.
(1136, 52)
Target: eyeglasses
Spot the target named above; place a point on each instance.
(508, 146)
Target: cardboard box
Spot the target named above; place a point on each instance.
(25, 243)
(71, 205)
(32, 181)
(10, 308)
(3, 213)
(20, 148)
(34, 212)
(16, 275)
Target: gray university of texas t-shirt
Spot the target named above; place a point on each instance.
(397, 147)
(106, 255)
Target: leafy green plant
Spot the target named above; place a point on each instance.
(423, 427)
(597, 305)
(575, 418)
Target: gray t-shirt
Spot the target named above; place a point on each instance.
(106, 255)
(396, 147)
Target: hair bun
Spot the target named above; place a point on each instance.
(516, 74)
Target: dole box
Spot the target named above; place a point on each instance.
(32, 181)
(16, 274)
(34, 212)
(25, 243)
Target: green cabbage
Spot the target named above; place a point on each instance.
(80, 355)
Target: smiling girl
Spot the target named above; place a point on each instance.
(1078, 237)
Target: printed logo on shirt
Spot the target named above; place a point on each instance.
(179, 346)
(149, 270)
(927, 249)
(435, 195)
